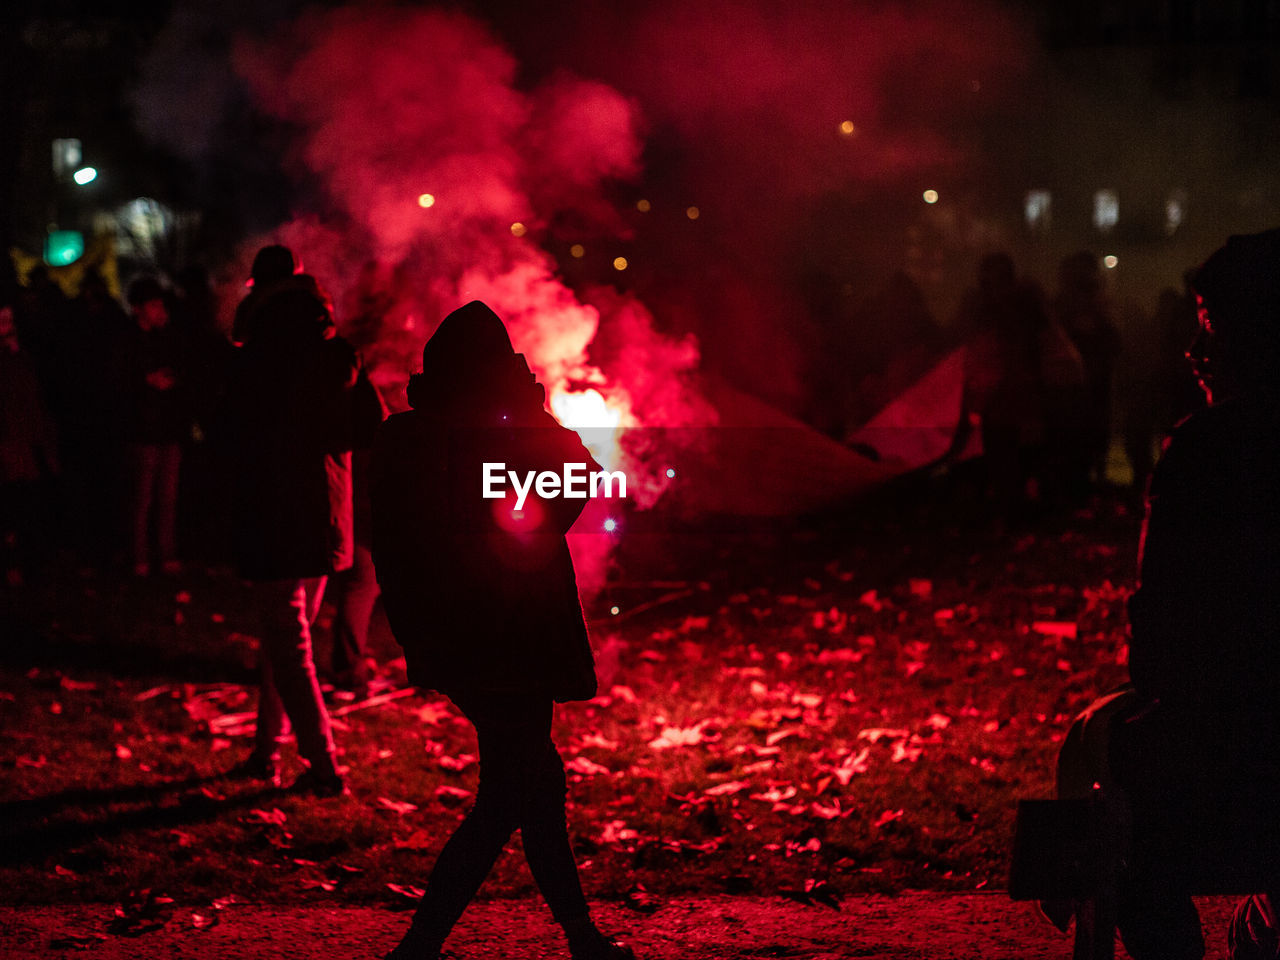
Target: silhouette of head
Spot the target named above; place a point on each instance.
(469, 356)
(471, 338)
(1238, 300)
(272, 263)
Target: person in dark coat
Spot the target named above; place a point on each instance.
(1081, 307)
(274, 267)
(483, 598)
(1022, 380)
(157, 407)
(356, 589)
(1192, 746)
(289, 423)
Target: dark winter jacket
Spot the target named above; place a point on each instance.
(154, 386)
(1205, 618)
(289, 423)
(481, 598)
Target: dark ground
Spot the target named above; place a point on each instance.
(838, 714)
(909, 926)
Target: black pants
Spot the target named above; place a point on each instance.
(522, 786)
(354, 593)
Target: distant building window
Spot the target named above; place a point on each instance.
(66, 157)
(1038, 206)
(1106, 210)
(1175, 209)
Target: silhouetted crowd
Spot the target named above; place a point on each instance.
(106, 422)
(112, 436)
(1051, 380)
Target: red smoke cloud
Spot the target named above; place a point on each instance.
(432, 161)
(432, 158)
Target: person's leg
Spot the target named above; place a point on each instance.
(169, 460)
(1155, 925)
(469, 854)
(289, 606)
(1156, 757)
(543, 827)
(545, 834)
(143, 462)
(273, 724)
(357, 592)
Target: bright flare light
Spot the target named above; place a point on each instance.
(693, 213)
(518, 229)
(610, 525)
(577, 251)
(931, 196)
(587, 411)
(847, 128)
(585, 408)
(1110, 262)
(670, 473)
(619, 263)
(85, 175)
(426, 200)
(643, 206)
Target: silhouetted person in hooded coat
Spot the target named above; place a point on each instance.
(1192, 746)
(484, 601)
(289, 425)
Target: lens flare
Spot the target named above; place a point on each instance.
(426, 200)
(847, 128)
(577, 251)
(693, 213)
(619, 263)
(518, 229)
(931, 196)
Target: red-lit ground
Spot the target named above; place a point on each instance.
(842, 713)
(909, 926)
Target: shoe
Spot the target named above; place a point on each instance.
(255, 767)
(405, 951)
(315, 785)
(413, 947)
(601, 947)
(349, 688)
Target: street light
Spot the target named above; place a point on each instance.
(85, 175)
